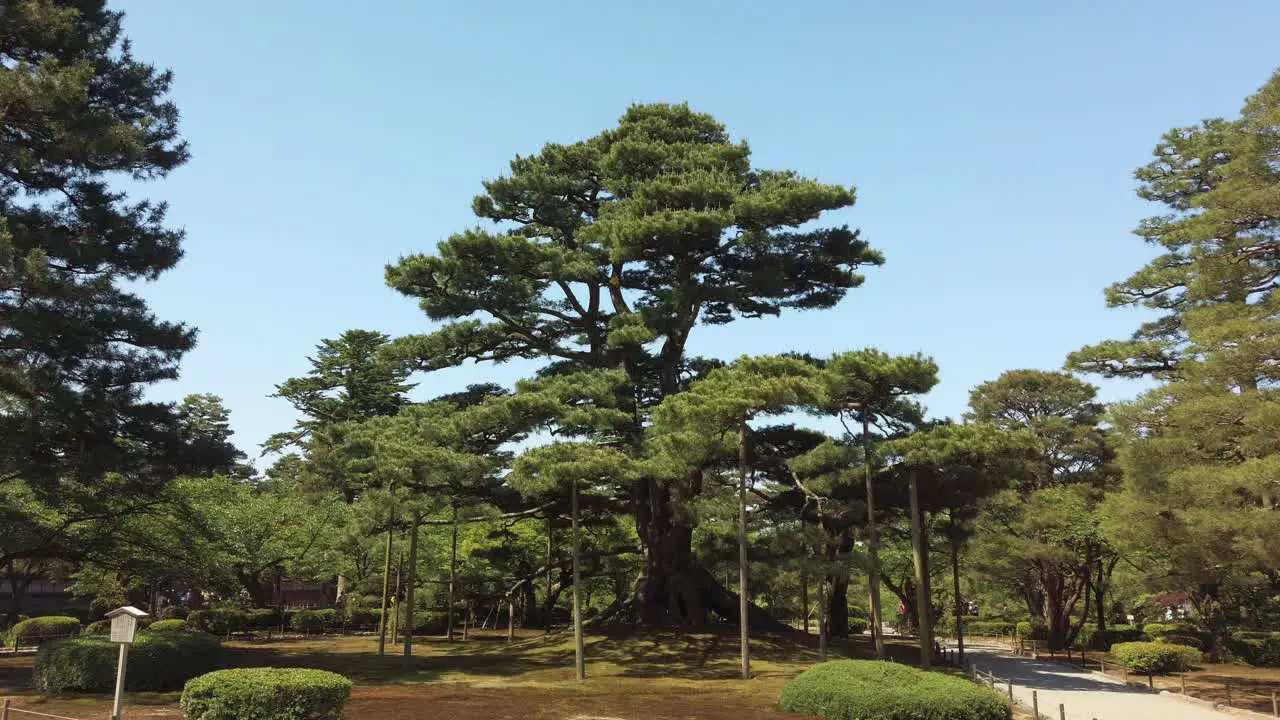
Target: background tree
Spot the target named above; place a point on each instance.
(1041, 534)
(1200, 500)
(612, 250)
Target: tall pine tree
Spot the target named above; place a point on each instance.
(607, 254)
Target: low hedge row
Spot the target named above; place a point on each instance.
(1090, 637)
(266, 694)
(1151, 658)
(35, 630)
(1179, 639)
(1259, 649)
(170, 625)
(857, 626)
(219, 621)
(862, 689)
(157, 661)
(990, 627)
(1032, 630)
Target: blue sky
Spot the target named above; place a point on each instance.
(992, 144)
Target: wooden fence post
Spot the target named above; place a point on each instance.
(1151, 681)
(1275, 705)
(1182, 680)
(1010, 692)
(1228, 694)
(1035, 704)
(1062, 712)
(4, 709)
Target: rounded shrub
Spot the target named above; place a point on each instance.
(173, 612)
(38, 629)
(1152, 658)
(98, 627)
(1179, 639)
(857, 626)
(264, 618)
(219, 621)
(363, 617)
(171, 625)
(1032, 630)
(1260, 649)
(857, 689)
(308, 621)
(157, 661)
(1155, 630)
(266, 694)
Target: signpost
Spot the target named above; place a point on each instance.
(124, 625)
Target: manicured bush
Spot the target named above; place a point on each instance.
(1091, 638)
(363, 617)
(308, 621)
(266, 694)
(990, 627)
(39, 629)
(219, 621)
(857, 626)
(173, 612)
(157, 661)
(1155, 630)
(172, 625)
(857, 611)
(862, 689)
(1180, 639)
(98, 627)
(1151, 658)
(1260, 649)
(1032, 630)
(265, 618)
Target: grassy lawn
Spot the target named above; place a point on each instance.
(650, 675)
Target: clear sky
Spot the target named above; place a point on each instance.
(992, 144)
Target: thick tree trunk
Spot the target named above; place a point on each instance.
(804, 597)
(252, 583)
(1100, 599)
(838, 606)
(549, 606)
(822, 620)
(670, 589)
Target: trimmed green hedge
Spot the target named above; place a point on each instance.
(39, 629)
(98, 627)
(265, 618)
(266, 694)
(363, 617)
(308, 621)
(219, 621)
(1179, 639)
(173, 612)
(873, 690)
(168, 625)
(1032, 630)
(1155, 630)
(1260, 649)
(857, 626)
(990, 627)
(157, 661)
(1089, 636)
(1150, 658)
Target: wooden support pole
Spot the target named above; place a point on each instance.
(411, 583)
(579, 650)
(1035, 704)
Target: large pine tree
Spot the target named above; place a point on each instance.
(76, 346)
(1201, 452)
(607, 253)
(79, 117)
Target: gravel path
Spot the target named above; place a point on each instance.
(1086, 695)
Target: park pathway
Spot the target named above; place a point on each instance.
(1084, 694)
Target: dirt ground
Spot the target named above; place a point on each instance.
(650, 676)
(1251, 688)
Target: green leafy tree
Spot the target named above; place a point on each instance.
(608, 253)
(1200, 500)
(1041, 535)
